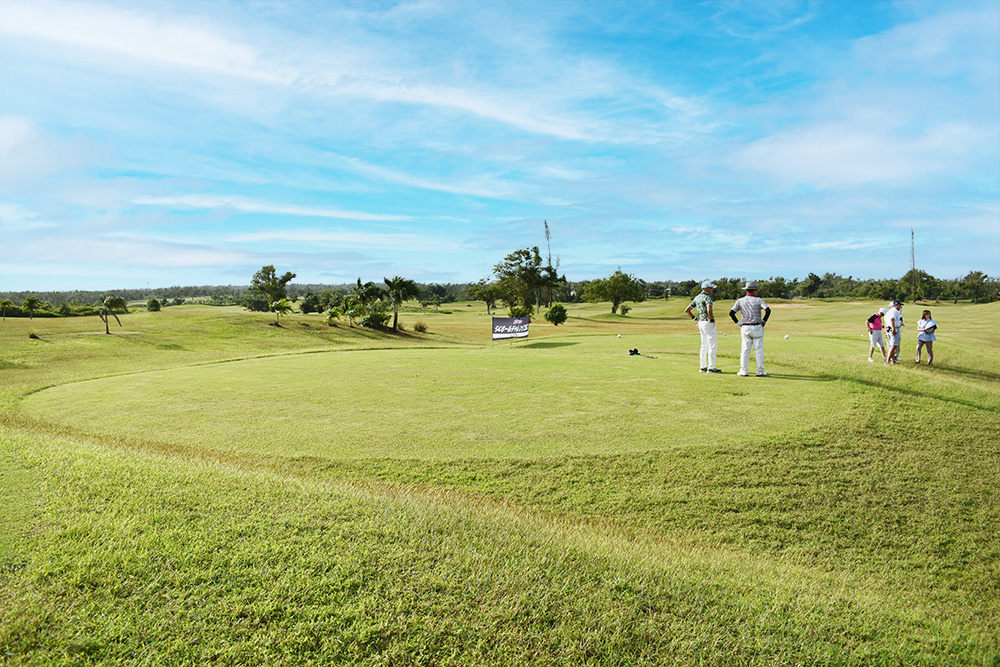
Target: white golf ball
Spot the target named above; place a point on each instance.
(619, 335)
(786, 335)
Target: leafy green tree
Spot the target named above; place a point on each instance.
(153, 305)
(811, 284)
(974, 286)
(551, 283)
(311, 303)
(253, 301)
(521, 280)
(279, 308)
(690, 288)
(332, 315)
(31, 304)
(4, 305)
(616, 288)
(487, 292)
(108, 308)
(399, 290)
(267, 283)
(915, 284)
(556, 314)
(775, 288)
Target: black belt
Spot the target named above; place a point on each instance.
(750, 324)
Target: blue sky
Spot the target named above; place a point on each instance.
(191, 142)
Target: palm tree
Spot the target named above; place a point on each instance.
(111, 304)
(351, 308)
(368, 293)
(4, 305)
(31, 304)
(279, 308)
(399, 291)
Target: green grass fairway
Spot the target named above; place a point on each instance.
(562, 396)
(202, 487)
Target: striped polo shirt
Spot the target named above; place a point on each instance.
(751, 308)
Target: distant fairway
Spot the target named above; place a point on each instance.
(203, 488)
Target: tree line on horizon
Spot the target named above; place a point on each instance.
(521, 282)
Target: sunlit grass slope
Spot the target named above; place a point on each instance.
(203, 487)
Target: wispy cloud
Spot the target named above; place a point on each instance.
(250, 206)
(148, 36)
(384, 240)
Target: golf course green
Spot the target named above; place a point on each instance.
(202, 487)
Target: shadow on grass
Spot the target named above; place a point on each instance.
(544, 345)
(910, 392)
(948, 371)
(790, 376)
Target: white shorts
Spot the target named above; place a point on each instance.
(876, 336)
(894, 338)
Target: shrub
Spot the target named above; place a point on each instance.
(557, 314)
(375, 316)
(153, 305)
(520, 311)
(420, 327)
(625, 308)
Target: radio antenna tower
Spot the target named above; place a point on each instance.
(913, 270)
(913, 260)
(548, 238)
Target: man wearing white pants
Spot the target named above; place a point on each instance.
(706, 326)
(750, 308)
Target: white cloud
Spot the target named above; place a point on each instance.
(14, 217)
(150, 37)
(848, 244)
(28, 152)
(941, 45)
(348, 238)
(15, 131)
(482, 186)
(250, 206)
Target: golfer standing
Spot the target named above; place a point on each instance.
(750, 308)
(925, 336)
(706, 326)
(875, 334)
(893, 333)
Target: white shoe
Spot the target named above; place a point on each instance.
(761, 374)
(870, 360)
(743, 374)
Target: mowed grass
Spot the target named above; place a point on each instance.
(563, 396)
(202, 487)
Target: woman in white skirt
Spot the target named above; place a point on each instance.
(925, 336)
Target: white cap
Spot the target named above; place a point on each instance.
(882, 310)
(708, 283)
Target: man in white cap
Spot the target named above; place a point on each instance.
(706, 326)
(750, 308)
(893, 333)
